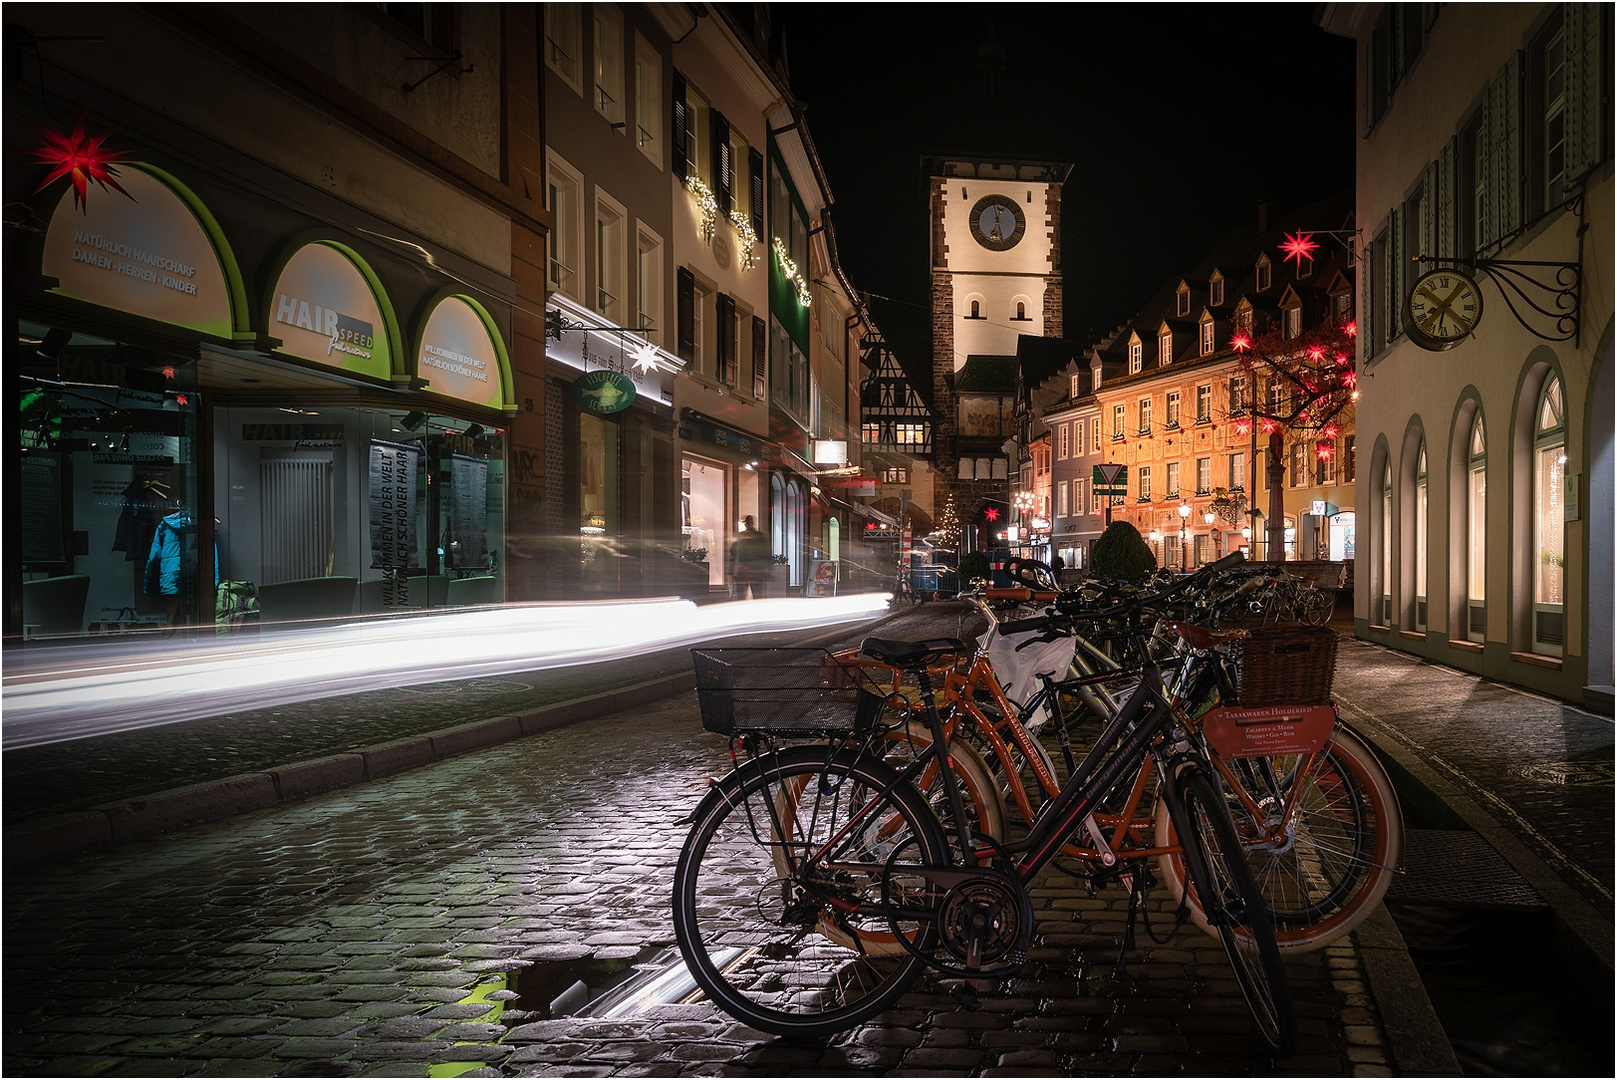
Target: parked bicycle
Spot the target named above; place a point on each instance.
(817, 882)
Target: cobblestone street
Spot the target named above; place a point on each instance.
(414, 924)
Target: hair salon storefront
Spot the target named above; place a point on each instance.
(328, 443)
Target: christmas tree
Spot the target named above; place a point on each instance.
(947, 533)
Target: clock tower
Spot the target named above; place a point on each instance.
(996, 275)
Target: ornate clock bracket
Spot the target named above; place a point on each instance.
(1552, 290)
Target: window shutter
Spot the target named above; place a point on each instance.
(723, 170)
(1583, 82)
(1446, 202)
(760, 367)
(1487, 199)
(681, 120)
(1367, 308)
(1508, 117)
(725, 308)
(686, 331)
(755, 174)
(1428, 215)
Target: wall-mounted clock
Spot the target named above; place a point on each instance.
(1442, 309)
(997, 222)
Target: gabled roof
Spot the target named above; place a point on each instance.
(987, 375)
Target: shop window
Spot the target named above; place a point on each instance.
(1549, 526)
(562, 48)
(565, 194)
(648, 101)
(1476, 533)
(609, 62)
(107, 532)
(704, 499)
(1421, 536)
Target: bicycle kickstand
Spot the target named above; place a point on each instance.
(1136, 898)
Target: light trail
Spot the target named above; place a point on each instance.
(63, 693)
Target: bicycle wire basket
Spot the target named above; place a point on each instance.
(792, 692)
(1292, 665)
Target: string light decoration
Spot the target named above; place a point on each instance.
(948, 525)
(792, 273)
(706, 202)
(746, 240)
(83, 159)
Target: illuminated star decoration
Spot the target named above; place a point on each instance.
(992, 513)
(82, 158)
(645, 358)
(1300, 246)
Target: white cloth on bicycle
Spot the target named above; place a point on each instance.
(1018, 671)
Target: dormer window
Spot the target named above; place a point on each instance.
(1165, 348)
(1207, 335)
(1073, 391)
(1291, 314)
(1265, 278)
(1136, 354)
(1243, 318)
(1184, 300)
(1215, 290)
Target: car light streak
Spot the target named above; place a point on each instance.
(57, 694)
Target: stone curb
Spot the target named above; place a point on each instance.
(63, 836)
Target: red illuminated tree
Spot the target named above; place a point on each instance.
(1302, 388)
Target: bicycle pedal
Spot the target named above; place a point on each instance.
(967, 997)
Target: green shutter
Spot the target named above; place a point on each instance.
(1486, 195)
(1447, 201)
(1583, 81)
(1428, 214)
(1510, 164)
(1367, 308)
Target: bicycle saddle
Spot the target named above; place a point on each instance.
(1200, 637)
(911, 654)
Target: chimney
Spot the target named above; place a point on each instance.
(1263, 216)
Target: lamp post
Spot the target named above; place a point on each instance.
(1184, 533)
(1024, 506)
(1218, 540)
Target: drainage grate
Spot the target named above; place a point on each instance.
(1457, 868)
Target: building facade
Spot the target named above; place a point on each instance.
(285, 356)
(1486, 426)
(1176, 402)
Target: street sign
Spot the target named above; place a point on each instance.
(1111, 479)
(1321, 508)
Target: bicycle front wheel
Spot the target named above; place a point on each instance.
(1325, 864)
(1318, 607)
(1236, 910)
(780, 883)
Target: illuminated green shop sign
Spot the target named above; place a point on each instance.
(603, 392)
(324, 308)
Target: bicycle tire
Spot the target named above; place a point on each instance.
(754, 940)
(1318, 607)
(985, 805)
(1241, 922)
(1337, 858)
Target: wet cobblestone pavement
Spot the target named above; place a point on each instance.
(378, 930)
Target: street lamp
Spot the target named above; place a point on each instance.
(1218, 538)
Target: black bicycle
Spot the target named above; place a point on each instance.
(817, 881)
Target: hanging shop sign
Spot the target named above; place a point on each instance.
(148, 255)
(461, 355)
(325, 308)
(603, 392)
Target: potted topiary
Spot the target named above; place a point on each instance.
(973, 564)
(1121, 554)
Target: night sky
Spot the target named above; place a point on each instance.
(1178, 119)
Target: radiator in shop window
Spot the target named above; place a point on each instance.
(296, 527)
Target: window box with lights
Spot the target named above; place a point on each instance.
(1118, 436)
(1200, 420)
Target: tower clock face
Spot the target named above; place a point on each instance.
(997, 222)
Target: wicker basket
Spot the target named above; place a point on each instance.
(794, 692)
(1292, 665)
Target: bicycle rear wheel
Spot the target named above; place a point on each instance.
(1236, 911)
(1323, 870)
(780, 880)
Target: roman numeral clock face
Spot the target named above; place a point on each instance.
(997, 222)
(1442, 309)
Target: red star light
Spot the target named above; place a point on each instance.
(992, 513)
(1242, 427)
(1269, 427)
(1351, 329)
(1240, 342)
(1324, 451)
(81, 158)
(1300, 246)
